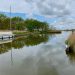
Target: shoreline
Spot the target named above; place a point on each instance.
(20, 32)
(36, 32)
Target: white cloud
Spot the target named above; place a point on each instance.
(50, 8)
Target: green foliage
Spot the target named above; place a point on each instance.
(33, 25)
(19, 26)
(16, 19)
(2, 16)
(17, 23)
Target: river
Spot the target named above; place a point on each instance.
(37, 55)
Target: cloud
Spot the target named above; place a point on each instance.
(53, 8)
(49, 8)
(29, 1)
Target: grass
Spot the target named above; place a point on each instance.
(54, 31)
(71, 39)
(22, 32)
(17, 32)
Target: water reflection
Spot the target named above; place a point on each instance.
(70, 51)
(42, 57)
(40, 66)
(20, 42)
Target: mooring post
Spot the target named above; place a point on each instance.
(2, 37)
(9, 37)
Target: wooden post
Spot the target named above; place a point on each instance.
(10, 17)
(2, 37)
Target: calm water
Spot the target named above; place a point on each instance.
(37, 55)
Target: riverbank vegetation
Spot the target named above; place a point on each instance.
(28, 25)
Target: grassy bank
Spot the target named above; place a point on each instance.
(18, 33)
(71, 40)
(53, 31)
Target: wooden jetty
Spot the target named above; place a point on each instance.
(6, 35)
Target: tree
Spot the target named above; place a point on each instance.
(17, 22)
(32, 25)
(2, 16)
(29, 24)
(20, 26)
(6, 24)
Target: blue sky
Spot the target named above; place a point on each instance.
(35, 16)
(59, 13)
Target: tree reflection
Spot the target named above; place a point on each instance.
(20, 42)
(5, 47)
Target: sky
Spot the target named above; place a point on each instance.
(55, 12)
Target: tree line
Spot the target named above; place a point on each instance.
(18, 23)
